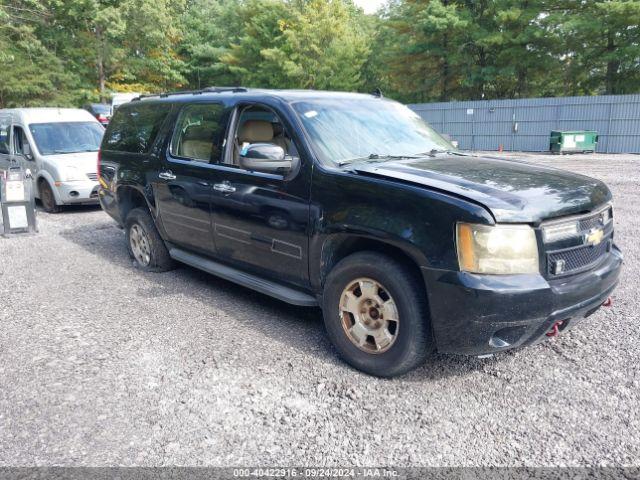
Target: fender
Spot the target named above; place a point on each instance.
(146, 193)
(324, 247)
(44, 174)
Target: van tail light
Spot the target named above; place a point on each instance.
(102, 118)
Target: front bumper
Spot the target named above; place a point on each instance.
(77, 192)
(482, 314)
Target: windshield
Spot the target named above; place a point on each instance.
(101, 108)
(67, 137)
(347, 130)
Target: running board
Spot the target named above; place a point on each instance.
(259, 284)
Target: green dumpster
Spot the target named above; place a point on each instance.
(579, 141)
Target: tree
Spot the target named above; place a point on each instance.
(209, 28)
(468, 49)
(602, 45)
(300, 44)
(420, 44)
(31, 74)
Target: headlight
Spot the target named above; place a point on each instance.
(499, 249)
(71, 174)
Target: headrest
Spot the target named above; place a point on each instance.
(278, 129)
(253, 131)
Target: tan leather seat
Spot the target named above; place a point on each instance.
(259, 131)
(196, 143)
(196, 149)
(256, 131)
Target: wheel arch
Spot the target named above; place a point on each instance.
(339, 246)
(44, 176)
(129, 198)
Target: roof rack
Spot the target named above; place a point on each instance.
(192, 92)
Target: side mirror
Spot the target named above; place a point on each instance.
(265, 157)
(26, 151)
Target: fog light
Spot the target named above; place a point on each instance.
(558, 267)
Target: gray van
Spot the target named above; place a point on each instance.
(60, 148)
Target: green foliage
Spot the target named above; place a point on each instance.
(65, 52)
(31, 74)
(602, 45)
(318, 44)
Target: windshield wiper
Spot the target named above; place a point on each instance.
(375, 157)
(433, 152)
(76, 151)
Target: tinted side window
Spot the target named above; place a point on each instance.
(4, 138)
(134, 127)
(200, 133)
(19, 139)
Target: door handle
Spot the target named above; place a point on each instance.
(224, 188)
(168, 175)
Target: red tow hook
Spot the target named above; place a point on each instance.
(608, 302)
(555, 329)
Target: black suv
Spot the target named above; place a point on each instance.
(352, 203)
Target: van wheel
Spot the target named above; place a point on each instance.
(47, 198)
(375, 312)
(144, 243)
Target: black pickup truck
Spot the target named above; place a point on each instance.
(352, 203)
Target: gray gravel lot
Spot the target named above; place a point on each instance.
(103, 364)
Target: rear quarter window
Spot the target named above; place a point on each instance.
(134, 128)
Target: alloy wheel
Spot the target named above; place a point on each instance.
(140, 247)
(369, 315)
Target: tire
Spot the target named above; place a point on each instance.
(406, 344)
(47, 198)
(144, 243)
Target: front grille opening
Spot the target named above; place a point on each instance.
(577, 258)
(584, 255)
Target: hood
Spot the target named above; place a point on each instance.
(85, 162)
(514, 191)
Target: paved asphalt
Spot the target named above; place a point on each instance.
(103, 364)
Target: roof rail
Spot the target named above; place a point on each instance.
(191, 92)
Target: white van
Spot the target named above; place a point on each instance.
(60, 148)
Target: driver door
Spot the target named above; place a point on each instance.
(261, 219)
(21, 148)
(22, 153)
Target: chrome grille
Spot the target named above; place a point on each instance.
(595, 221)
(93, 176)
(572, 253)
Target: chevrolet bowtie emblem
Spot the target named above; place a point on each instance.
(594, 237)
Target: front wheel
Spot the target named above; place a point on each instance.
(144, 243)
(47, 198)
(376, 315)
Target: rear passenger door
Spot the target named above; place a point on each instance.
(186, 177)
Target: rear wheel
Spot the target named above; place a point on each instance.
(376, 315)
(144, 243)
(47, 198)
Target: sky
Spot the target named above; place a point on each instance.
(369, 6)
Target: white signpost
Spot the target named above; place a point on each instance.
(17, 203)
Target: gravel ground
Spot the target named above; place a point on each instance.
(103, 364)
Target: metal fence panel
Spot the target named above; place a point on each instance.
(525, 124)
